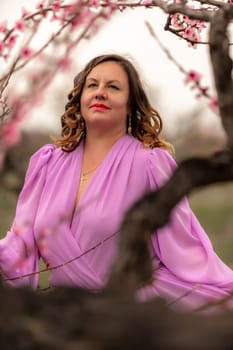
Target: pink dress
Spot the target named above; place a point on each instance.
(187, 270)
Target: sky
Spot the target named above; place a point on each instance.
(127, 34)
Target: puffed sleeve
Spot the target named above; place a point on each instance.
(18, 252)
(182, 246)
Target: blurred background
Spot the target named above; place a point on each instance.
(192, 127)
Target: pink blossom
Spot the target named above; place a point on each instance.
(54, 17)
(5, 56)
(189, 31)
(40, 5)
(25, 12)
(65, 63)
(193, 30)
(77, 21)
(11, 40)
(48, 264)
(69, 10)
(94, 3)
(11, 134)
(26, 53)
(176, 21)
(56, 6)
(193, 77)
(2, 46)
(3, 27)
(213, 104)
(20, 25)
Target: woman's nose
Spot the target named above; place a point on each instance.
(100, 93)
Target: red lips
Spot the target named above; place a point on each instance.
(100, 106)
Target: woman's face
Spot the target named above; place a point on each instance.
(104, 99)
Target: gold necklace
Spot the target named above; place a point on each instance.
(84, 176)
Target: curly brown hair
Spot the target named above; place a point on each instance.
(146, 123)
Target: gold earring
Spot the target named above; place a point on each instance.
(81, 120)
(129, 125)
(82, 123)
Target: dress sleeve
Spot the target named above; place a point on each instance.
(182, 246)
(18, 251)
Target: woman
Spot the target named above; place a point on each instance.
(77, 191)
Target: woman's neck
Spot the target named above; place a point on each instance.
(102, 142)
(96, 148)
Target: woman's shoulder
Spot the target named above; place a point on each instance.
(157, 165)
(155, 157)
(40, 159)
(44, 150)
(162, 157)
(43, 154)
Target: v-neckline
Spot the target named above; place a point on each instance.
(78, 168)
(77, 171)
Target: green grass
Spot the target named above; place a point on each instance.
(213, 207)
(217, 222)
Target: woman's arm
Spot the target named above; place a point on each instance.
(19, 254)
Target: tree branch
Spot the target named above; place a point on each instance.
(133, 266)
(222, 67)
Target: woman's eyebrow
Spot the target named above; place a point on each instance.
(109, 81)
(91, 79)
(114, 81)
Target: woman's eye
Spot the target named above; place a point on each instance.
(114, 87)
(90, 85)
